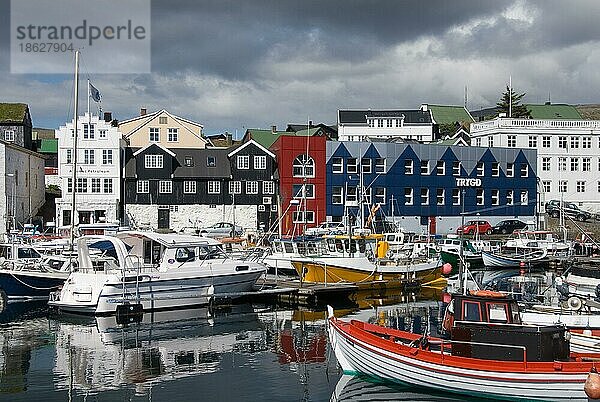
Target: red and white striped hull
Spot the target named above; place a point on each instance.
(359, 350)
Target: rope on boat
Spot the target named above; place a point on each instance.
(31, 286)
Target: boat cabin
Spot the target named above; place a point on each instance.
(18, 251)
(487, 325)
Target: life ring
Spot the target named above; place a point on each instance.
(486, 293)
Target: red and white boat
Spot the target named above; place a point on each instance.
(494, 356)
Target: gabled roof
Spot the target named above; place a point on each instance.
(445, 114)
(147, 118)
(360, 116)
(554, 111)
(139, 151)
(13, 112)
(199, 167)
(244, 145)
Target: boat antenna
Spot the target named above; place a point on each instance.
(74, 184)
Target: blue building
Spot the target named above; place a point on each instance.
(426, 187)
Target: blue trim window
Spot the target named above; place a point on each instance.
(510, 199)
(495, 197)
(440, 196)
(351, 165)
(480, 196)
(408, 166)
(424, 196)
(424, 167)
(380, 165)
(510, 169)
(408, 196)
(337, 195)
(440, 168)
(456, 165)
(337, 165)
(366, 165)
(480, 169)
(525, 168)
(495, 169)
(380, 195)
(455, 196)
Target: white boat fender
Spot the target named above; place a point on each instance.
(592, 384)
(574, 303)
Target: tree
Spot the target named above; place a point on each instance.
(514, 99)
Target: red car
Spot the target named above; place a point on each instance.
(472, 227)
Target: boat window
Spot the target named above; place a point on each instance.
(362, 245)
(497, 312)
(312, 248)
(471, 311)
(339, 246)
(516, 317)
(301, 248)
(185, 254)
(27, 253)
(278, 247)
(289, 247)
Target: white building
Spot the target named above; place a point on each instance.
(22, 189)
(98, 178)
(568, 154)
(385, 125)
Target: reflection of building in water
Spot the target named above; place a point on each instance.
(17, 344)
(164, 346)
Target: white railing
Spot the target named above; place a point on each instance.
(534, 123)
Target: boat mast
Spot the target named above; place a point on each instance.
(74, 172)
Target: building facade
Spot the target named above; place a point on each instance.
(15, 124)
(179, 188)
(568, 154)
(302, 177)
(386, 125)
(426, 187)
(98, 172)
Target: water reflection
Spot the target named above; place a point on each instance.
(242, 352)
(354, 389)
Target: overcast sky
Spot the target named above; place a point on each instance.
(231, 65)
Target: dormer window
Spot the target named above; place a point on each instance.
(188, 161)
(211, 161)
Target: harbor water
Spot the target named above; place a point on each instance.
(236, 353)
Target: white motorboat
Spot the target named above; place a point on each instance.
(154, 271)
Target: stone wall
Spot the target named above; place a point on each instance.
(191, 216)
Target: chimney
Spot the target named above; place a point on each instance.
(228, 138)
(274, 129)
(143, 111)
(108, 117)
(310, 124)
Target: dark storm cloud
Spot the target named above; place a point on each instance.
(233, 38)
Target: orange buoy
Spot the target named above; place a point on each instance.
(592, 384)
(446, 268)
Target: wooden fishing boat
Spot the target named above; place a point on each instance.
(493, 356)
(361, 269)
(514, 260)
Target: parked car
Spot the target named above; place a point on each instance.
(221, 229)
(326, 228)
(553, 208)
(507, 226)
(472, 227)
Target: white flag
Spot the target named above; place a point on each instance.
(94, 93)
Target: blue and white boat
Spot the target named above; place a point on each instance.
(514, 260)
(153, 271)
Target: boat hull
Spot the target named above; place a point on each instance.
(360, 352)
(30, 285)
(361, 270)
(162, 292)
(492, 260)
(475, 261)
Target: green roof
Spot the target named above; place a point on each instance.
(12, 112)
(554, 111)
(450, 114)
(48, 146)
(266, 138)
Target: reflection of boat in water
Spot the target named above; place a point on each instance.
(99, 354)
(351, 388)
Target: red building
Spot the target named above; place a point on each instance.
(301, 168)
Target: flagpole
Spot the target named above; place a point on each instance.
(88, 99)
(510, 96)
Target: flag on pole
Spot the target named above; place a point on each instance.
(94, 93)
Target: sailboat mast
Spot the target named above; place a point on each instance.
(74, 184)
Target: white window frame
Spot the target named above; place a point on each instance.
(165, 187)
(107, 156)
(495, 197)
(337, 165)
(440, 196)
(107, 186)
(408, 166)
(303, 166)
(89, 156)
(456, 196)
(153, 161)
(154, 134)
(252, 187)
(268, 187)
(380, 165)
(408, 196)
(580, 186)
(337, 195)
(260, 162)
(495, 169)
(190, 187)
(366, 165)
(380, 198)
(9, 135)
(479, 196)
(214, 187)
(235, 187)
(303, 217)
(424, 195)
(511, 141)
(143, 186)
(424, 167)
(510, 169)
(546, 163)
(440, 168)
(69, 156)
(96, 185)
(352, 165)
(172, 134)
(243, 162)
